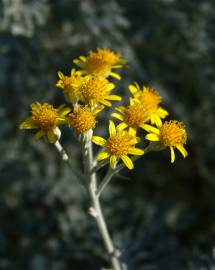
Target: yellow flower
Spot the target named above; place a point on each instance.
(119, 145)
(150, 99)
(71, 84)
(100, 63)
(133, 116)
(171, 134)
(83, 118)
(97, 90)
(45, 118)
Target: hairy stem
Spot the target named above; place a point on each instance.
(96, 210)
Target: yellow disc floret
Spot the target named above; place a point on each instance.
(96, 65)
(44, 115)
(82, 119)
(119, 144)
(110, 57)
(135, 115)
(97, 90)
(150, 99)
(173, 133)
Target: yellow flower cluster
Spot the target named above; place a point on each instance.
(89, 90)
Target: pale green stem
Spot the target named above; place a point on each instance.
(65, 157)
(95, 210)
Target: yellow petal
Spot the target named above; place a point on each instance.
(79, 63)
(102, 155)
(59, 84)
(121, 109)
(172, 154)
(115, 75)
(113, 97)
(52, 137)
(132, 101)
(117, 66)
(110, 86)
(113, 160)
(135, 151)
(150, 128)
(135, 140)
(60, 75)
(162, 113)
(28, 124)
(38, 135)
(152, 137)
(182, 150)
(112, 128)
(98, 109)
(99, 140)
(83, 58)
(128, 162)
(121, 126)
(132, 132)
(158, 121)
(118, 116)
(106, 103)
(132, 89)
(64, 111)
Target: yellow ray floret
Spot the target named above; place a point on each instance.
(133, 116)
(150, 99)
(71, 84)
(171, 134)
(97, 90)
(119, 145)
(45, 118)
(83, 118)
(101, 63)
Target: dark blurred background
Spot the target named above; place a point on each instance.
(160, 215)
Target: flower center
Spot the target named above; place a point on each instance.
(150, 99)
(97, 65)
(71, 84)
(95, 89)
(44, 115)
(119, 144)
(108, 56)
(135, 115)
(173, 133)
(82, 119)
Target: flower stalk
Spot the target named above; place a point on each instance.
(95, 209)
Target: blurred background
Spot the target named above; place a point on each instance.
(160, 215)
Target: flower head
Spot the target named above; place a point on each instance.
(171, 134)
(100, 63)
(71, 84)
(97, 90)
(119, 145)
(45, 118)
(150, 99)
(133, 116)
(83, 118)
